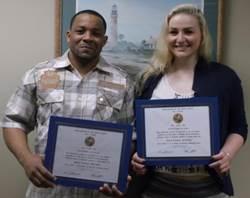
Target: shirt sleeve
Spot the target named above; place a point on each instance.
(21, 108)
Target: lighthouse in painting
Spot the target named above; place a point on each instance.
(113, 27)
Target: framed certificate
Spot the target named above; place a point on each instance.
(87, 154)
(177, 131)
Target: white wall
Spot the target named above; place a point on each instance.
(27, 37)
(236, 53)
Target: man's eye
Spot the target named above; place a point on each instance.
(79, 31)
(97, 33)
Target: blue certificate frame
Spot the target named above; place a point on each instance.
(210, 103)
(123, 162)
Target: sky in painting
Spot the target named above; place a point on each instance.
(137, 19)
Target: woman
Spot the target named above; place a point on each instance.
(181, 68)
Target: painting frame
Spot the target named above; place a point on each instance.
(60, 30)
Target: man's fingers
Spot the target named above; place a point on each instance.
(116, 192)
(41, 177)
(106, 190)
(42, 180)
(46, 173)
(111, 191)
(35, 181)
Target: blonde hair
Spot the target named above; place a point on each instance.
(162, 58)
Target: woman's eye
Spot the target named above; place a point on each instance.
(188, 32)
(173, 32)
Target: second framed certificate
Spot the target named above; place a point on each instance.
(177, 131)
(87, 154)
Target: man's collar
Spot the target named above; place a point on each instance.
(103, 65)
(63, 62)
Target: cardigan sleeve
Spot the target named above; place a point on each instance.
(237, 119)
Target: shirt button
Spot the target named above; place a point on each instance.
(101, 99)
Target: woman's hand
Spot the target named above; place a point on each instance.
(138, 165)
(223, 159)
(221, 163)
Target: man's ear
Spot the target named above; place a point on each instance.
(67, 36)
(105, 40)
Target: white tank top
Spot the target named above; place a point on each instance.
(164, 91)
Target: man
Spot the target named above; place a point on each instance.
(80, 84)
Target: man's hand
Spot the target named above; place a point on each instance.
(16, 140)
(37, 173)
(113, 191)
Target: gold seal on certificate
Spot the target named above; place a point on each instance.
(178, 118)
(89, 141)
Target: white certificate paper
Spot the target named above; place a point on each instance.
(87, 154)
(182, 131)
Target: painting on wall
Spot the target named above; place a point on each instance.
(133, 27)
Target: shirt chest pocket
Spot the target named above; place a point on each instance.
(109, 103)
(50, 102)
(51, 96)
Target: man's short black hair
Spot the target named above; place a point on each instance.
(92, 12)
